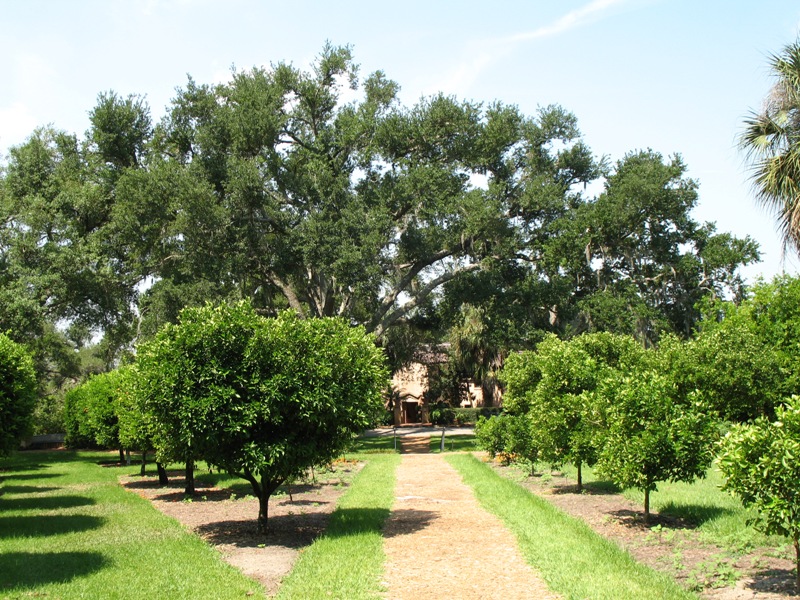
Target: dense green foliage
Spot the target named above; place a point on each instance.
(91, 412)
(17, 394)
(603, 398)
(261, 398)
(744, 357)
(552, 388)
(443, 220)
(652, 433)
(508, 437)
(759, 462)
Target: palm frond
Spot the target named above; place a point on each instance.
(771, 142)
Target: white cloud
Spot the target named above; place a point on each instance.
(491, 51)
(572, 19)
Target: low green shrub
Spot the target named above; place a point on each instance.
(464, 416)
(442, 414)
(509, 438)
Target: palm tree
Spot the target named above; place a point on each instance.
(771, 139)
(475, 352)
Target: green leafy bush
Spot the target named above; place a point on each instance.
(652, 433)
(467, 416)
(17, 394)
(507, 437)
(264, 399)
(442, 414)
(760, 464)
(553, 388)
(91, 412)
(491, 435)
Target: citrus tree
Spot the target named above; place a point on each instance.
(91, 412)
(17, 394)
(652, 433)
(553, 388)
(264, 399)
(760, 466)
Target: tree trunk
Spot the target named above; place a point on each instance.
(796, 541)
(487, 390)
(121, 457)
(162, 474)
(127, 457)
(144, 462)
(580, 476)
(189, 491)
(263, 511)
(263, 491)
(647, 505)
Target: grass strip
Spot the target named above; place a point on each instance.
(453, 443)
(68, 530)
(573, 560)
(347, 560)
(716, 516)
(719, 517)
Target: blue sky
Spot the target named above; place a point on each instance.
(677, 76)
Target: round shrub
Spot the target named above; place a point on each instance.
(17, 394)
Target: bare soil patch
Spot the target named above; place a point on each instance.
(415, 444)
(665, 543)
(228, 522)
(440, 542)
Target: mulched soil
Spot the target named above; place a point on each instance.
(665, 543)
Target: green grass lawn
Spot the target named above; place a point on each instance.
(69, 530)
(346, 562)
(718, 517)
(375, 445)
(453, 443)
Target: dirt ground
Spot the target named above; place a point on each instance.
(228, 522)
(440, 542)
(667, 544)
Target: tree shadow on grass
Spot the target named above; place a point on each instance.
(635, 519)
(29, 476)
(45, 525)
(11, 467)
(300, 530)
(693, 515)
(205, 489)
(28, 570)
(26, 489)
(597, 488)
(45, 503)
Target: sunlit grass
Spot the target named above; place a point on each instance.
(347, 560)
(717, 516)
(453, 443)
(68, 530)
(375, 444)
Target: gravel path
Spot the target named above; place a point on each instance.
(441, 543)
